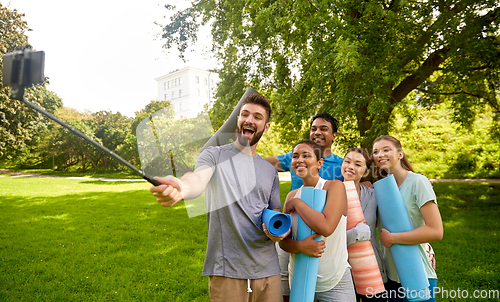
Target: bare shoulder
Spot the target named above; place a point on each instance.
(291, 194)
(334, 185)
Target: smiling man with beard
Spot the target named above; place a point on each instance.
(248, 130)
(241, 260)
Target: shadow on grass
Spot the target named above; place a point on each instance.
(120, 246)
(468, 257)
(65, 244)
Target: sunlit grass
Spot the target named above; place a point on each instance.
(87, 240)
(468, 257)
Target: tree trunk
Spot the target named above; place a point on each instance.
(364, 124)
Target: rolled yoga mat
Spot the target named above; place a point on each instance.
(277, 223)
(364, 266)
(407, 258)
(305, 269)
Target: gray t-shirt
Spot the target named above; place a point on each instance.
(240, 189)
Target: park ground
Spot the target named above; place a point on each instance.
(89, 239)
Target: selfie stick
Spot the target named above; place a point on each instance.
(18, 94)
(92, 142)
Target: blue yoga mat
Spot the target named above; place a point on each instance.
(407, 258)
(305, 269)
(277, 223)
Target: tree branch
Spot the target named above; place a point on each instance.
(423, 72)
(435, 59)
(428, 34)
(312, 4)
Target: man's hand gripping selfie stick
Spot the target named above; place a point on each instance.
(21, 70)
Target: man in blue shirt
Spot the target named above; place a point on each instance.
(323, 132)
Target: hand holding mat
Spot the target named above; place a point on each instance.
(305, 270)
(365, 270)
(277, 223)
(407, 258)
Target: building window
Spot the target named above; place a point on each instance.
(197, 80)
(165, 85)
(180, 92)
(173, 95)
(212, 82)
(168, 84)
(180, 81)
(176, 82)
(180, 106)
(198, 91)
(205, 81)
(166, 97)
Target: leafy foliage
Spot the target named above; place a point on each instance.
(13, 116)
(21, 129)
(438, 149)
(357, 60)
(32, 152)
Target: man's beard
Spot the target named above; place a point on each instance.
(243, 140)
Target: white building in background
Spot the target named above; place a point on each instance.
(188, 89)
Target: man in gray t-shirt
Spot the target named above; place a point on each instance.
(240, 260)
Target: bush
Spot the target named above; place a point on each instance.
(464, 162)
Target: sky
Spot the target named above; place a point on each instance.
(105, 55)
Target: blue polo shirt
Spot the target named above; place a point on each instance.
(330, 169)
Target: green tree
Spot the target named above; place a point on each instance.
(21, 128)
(148, 111)
(358, 60)
(109, 129)
(112, 129)
(37, 145)
(69, 149)
(146, 138)
(13, 116)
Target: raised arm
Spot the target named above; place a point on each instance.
(190, 186)
(322, 223)
(273, 160)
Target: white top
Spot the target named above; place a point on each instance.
(333, 262)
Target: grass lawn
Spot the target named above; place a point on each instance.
(468, 256)
(87, 240)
